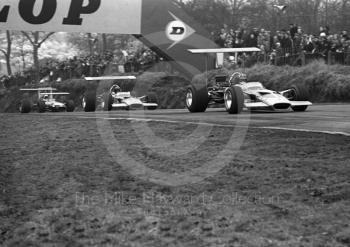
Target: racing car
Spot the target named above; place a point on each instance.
(115, 98)
(236, 93)
(46, 101)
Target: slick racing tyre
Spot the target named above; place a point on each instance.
(299, 93)
(89, 101)
(25, 106)
(234, 100)
(152, 98)
(300, 108)
(108, 102)
(70, 106)
(41, 106)
(197, 99)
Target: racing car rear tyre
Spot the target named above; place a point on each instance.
(108, 102)
(89, 101)
(25, 107)
(41, 106)
(299, 93)
(70, 106)
(234, 100)
(152, 98)
(197, 99)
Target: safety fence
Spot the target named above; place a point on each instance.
(303, 58)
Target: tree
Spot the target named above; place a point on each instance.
(36, 41)
(7, 52)
(212, 15)
(236, 6)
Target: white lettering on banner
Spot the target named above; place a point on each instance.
(97, 16)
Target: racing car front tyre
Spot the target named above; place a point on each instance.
(299, 93)
(152, 98)
(89, 101)
(25, 107)
(234, 100)
(108, 102)
(299, 108)
(197, 99)
(70, 106)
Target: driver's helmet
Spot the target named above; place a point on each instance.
(46, 97)
(116, 89)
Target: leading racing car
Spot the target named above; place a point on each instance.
(236, 93)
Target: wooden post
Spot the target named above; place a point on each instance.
(329, 62)
(303, 60)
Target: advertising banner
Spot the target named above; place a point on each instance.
(94, 16)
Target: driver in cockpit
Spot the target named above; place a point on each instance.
(46, 97)
(115, 90)
(238, 78)
(242, 79)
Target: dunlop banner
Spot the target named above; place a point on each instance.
(161, 24)
(98, 16)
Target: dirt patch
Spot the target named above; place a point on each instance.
(59, 186)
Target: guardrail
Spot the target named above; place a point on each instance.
(303, 58)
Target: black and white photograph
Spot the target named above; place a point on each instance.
(180, 123)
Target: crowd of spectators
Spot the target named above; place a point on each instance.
(79, 67)
(277, 48)
(96, 65)
(75, 67)
(287, 43)
(140, 60)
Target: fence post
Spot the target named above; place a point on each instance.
(303, 59)
(329, 62)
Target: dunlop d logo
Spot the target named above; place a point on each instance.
(177, 30)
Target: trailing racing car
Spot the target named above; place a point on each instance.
(115, 98)
(236, 93)
(46, 102)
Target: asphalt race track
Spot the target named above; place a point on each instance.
(322, 118)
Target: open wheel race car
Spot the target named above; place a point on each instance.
(46, 102)
(116, 99)
(240, 94)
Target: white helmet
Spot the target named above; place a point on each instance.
(116, 89)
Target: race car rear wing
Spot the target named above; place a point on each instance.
(44, 91)
(224, 50)
(220, 53)
(39, 89)
(54, 93)
(106, 78)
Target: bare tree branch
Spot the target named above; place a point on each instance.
(28, 37)
(4, 52)
(45, 38)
